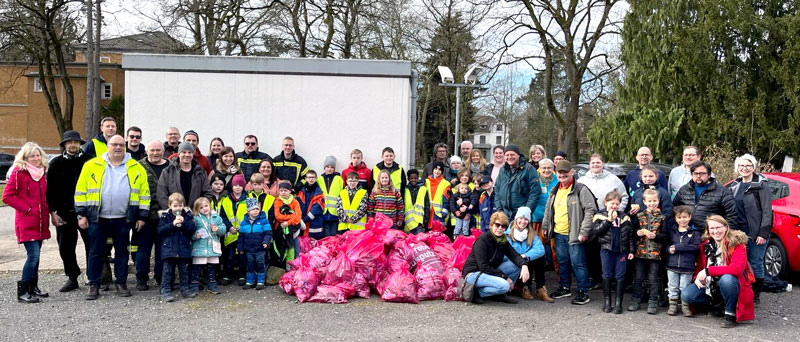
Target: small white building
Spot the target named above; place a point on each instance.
(489, 132)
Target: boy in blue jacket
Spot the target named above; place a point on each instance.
(684, 243)
(255, 234)
(175, 228)
(486, 202)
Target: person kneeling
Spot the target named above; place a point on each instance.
(525, 240)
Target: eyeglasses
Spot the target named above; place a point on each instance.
(250, 143)
(745, 166)
(699, 174)
(135, 136)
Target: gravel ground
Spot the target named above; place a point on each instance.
(271, 315)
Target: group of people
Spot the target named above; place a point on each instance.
(226, 216)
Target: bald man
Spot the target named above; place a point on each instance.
(633, 180)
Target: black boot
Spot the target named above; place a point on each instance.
(35, 289)
(729, 321)
(23, 293)
(94, 292)
(757, 290)
(620, 294)
(607, 295)
(71, 284)
(503, 298)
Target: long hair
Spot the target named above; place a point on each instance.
(535, 147)
(26, 151)
(219, 164)
(273, 176)
(212, 142)
(377, 189)
(481, 162)
(721, 220)
(532, 233)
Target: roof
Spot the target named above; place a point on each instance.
(154, 42)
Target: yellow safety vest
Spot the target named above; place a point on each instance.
(396, 176)
(350, 209)
(89, 188)
(436, 200)
(415, 211)
(453, 217)
(99, 147)
(241, 211)
(332, 194)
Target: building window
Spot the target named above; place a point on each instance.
(105, 59)
(499, 140)
(483, 127)
(37, 85)
(499, 127)
(483, 139)
(106, 91)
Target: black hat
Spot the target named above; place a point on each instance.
(485, 179)
(562, 154)
(438, 164)
(514, 148)
(285, 185)
(71, 136)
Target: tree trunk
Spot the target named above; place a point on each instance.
(88, 123)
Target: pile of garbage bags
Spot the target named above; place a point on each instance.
(396, 266)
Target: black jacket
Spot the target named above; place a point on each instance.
(292, 169)
(62, 176)
(757, 204)
(248, 163)
(715, 200)
(487, 255)
(601, 229)
(176, 242)
(470, 198)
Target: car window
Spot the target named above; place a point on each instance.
(779, 189)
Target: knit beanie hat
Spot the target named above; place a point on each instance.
(185, 146)
(562, 154)
(514, 148)
(238, 180)
(215, 178)
(523, 212)
(191, 132)
(252, 203)
(456, 159)
(329, 160)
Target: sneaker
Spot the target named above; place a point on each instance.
(561, 293)
(168, 297)
(581, 299)
(225, 281)
(241, 281)
(652, 307)
(260, 286)
(636, 304)
(188, 294)
(248, 286)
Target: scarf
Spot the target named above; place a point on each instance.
(499, 239)
(520, 235)
(287, 201)
(713, 256)
(35, 172)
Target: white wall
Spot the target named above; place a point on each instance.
(326, 115)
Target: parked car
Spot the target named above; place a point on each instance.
(6, 160)
(783, 249)
(620, 169)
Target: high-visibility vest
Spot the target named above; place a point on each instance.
(268, 201)
(239, 213)
(453, 216)
(350, 208)
(89, 188)
(332, 194)
(415, 211)
(436, 200)
(99, 147)
(396, 176)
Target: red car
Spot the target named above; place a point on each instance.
(783, 250)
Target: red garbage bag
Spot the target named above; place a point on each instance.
(305, 282)
(367, 247)
(400, 256)
(430, 284)
(340, 270)
(306, 243)
(424, 256)
(347, 289)
(377, 272)
(460, 257)
(359, 283)
(400, 287)
(319, 257)
(285, 282)
(391, 237)
(329, 294)
(475, 232)
(441, 247)
(450, 279)
(437, 226)
(332, 242)
(380, 224)
(464, 241)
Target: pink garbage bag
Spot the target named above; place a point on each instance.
(305, 282)
(340, 270)
(450, 279)
(430, 284)
(329, 294)
(424, 256)
(285, 283)
(400, 287)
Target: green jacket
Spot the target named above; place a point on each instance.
(517, 188)
(581, 206)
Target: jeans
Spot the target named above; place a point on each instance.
(729, 287)
(755, 255)
(67, 238)
(677, 282)
(614, 264)
(118, 229)
(30, 270)
(146, 239)
(461, 227)
(255, 262)
(651, 268)
(329, 228)
(168, 276)
(488, 285)
(571, 259)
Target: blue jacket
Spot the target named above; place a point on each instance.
(253, 236)
(687, 244)
(176, 242)
(202, 247)
(664, 203)
(538, 212)
(487, 207)
(532, 252)
(518, 187)
(312, 204)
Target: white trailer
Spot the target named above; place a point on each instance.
(328, 106)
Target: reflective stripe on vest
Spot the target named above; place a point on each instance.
(332, 194)
(350, 209)
(396, 176)
(415, 211)
(436, 201)
(88, 190)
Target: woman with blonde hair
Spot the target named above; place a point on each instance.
(536, 154)
(476, 164)
(26, 193)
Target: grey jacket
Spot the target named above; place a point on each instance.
(581, 206)
(757, 204)
(602, 184)
(170, 182)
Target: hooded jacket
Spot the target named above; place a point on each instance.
(292, 169)
(254, 235)
(633, 180)
(176, 242)
(603, 183)
(757, 204)
(646, 248)
(62, 176)
(203, 247)
(737, 266)
(364, 174)
(170, 182)
(312, 205)
(538, 213)
(532, 252)
(517, 187)
(90, 149)
(715, 200)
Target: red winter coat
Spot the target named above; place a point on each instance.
(364, 174)
(28, 198)
(737, 266)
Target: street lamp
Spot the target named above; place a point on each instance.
(470, 80)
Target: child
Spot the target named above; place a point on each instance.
(311, 205)
(220, 200)
(385, 199)
(232, 258)
(287, 215)
(684, 241)
(255, 234)
(396, 174)
(438, 188)
(477, 191)
(358, 166)
(461, 204)
(206, 247)
(331, 183)
(417, 204)
(486, 202)
(614, 235)
(175, 228)
(649, 236)
(649, 177)
(265, 199)
(351, 206)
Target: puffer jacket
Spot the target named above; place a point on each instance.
(737, 266)
(603, 183)
(518, 187)
(757, 204)
(176, 242)
(646, 248)
(202, 247)
(581, 207)
(170, 182)
(602, 229)
(715, 200)
(531, 252)
(686, 246)
(664, 203)
(487, 207)
(29, 200)
(254, 235)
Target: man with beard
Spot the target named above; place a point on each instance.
(706, 196)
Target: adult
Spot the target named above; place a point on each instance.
(439, 154)
(144, 239)
(568, 220)
(559, 156)
(290, 166)
(455, 165)
(250, 157)
(547, 181)
(111, 196)
(396, 172)
(62, 175)
(633, 180)
(706, 196)
(466, 149)
(214, 150)
(753, 199)
(498, 160)
(525, 240)
(680, 175)
(488, 252)
(722, 275)
(271, 180)
(225, 167)
(475, 163)
(193, 138)
(98, 145)
(601, 182)
(184, 176)
(25, 192)
(173, 140)
(133, 143)
(535, 154)
(517, 184)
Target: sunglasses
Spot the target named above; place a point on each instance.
(250, 144)
(500, 225)
(135, 136)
